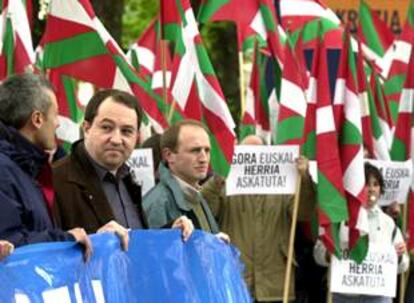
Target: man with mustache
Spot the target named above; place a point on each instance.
(94, 186)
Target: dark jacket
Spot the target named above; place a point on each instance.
(24, 217)
(80, 199)
(165, 202)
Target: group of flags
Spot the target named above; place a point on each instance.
(312, 83)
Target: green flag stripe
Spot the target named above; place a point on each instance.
(310, 31)
(268, 19)
(398, 150)
(289, 129)
(330, 200)
(350, 134)
(76, 113)
(73, 49)
(369, 30)
(246, 130)
(209, 8)
(204, 61)
(218, 160)
(394, 84)
(8, 47)
(308, 148)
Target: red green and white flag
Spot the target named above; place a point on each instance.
(244, 13)
(316, 21)
(194, 85)
(381, 103)
(274, 34)
(395, 63)
(402, 148)
(76, 44)
(351, 152)
(373, 137)
(331, 201)
(256, 118)
(142, 53)
(376, 37)
(16, 48)
(293, 104)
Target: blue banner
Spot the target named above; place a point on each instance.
(158, 267)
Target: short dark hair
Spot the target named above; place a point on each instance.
(169, 138)
(117, 96)
(22, 94)
(153, 142)
(371, 170)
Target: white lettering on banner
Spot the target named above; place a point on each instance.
(78, 295)
(98, 291)
(376, 275)
(263, 170)
(62, 294)
(21, 298)
(397, 179)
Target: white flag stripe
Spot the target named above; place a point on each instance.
(293, 97)
(325, 120)
(406, 100)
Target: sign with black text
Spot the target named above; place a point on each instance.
(142, 168)
(263, 170)
(376, 275)
(397, 180)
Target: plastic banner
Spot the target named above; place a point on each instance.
(158, 267)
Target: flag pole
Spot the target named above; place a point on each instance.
(292, 240)
(241, 84)
(164, 50)
(403, 276)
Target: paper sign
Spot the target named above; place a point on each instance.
(376, 275)
(263, 170)
(397, 179)
(142, 168)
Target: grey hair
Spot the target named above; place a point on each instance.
(22, 94)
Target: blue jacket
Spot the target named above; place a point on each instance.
(24, 217)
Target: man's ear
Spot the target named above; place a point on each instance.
(167, 155)
(86, 126)
(37, 119)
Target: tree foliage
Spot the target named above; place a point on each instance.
(137, 15)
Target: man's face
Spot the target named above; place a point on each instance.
(191, 159)
(113, 134)
(45, 137)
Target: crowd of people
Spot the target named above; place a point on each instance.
(91, 190)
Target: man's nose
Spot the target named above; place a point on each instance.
(116, 137)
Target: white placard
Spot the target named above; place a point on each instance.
(142, 168)
(263, 170)
(376, 275)
(397, 179)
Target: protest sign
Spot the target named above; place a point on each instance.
(263, 170)
(158, 267)
(142, 168)
(397, 179)
(376, 275)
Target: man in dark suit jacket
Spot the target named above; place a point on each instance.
(94, 188)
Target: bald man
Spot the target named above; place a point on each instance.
(259, 226)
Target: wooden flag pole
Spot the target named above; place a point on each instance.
(403, 276)
(292, 240)
(164, 49)
(241, 84)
